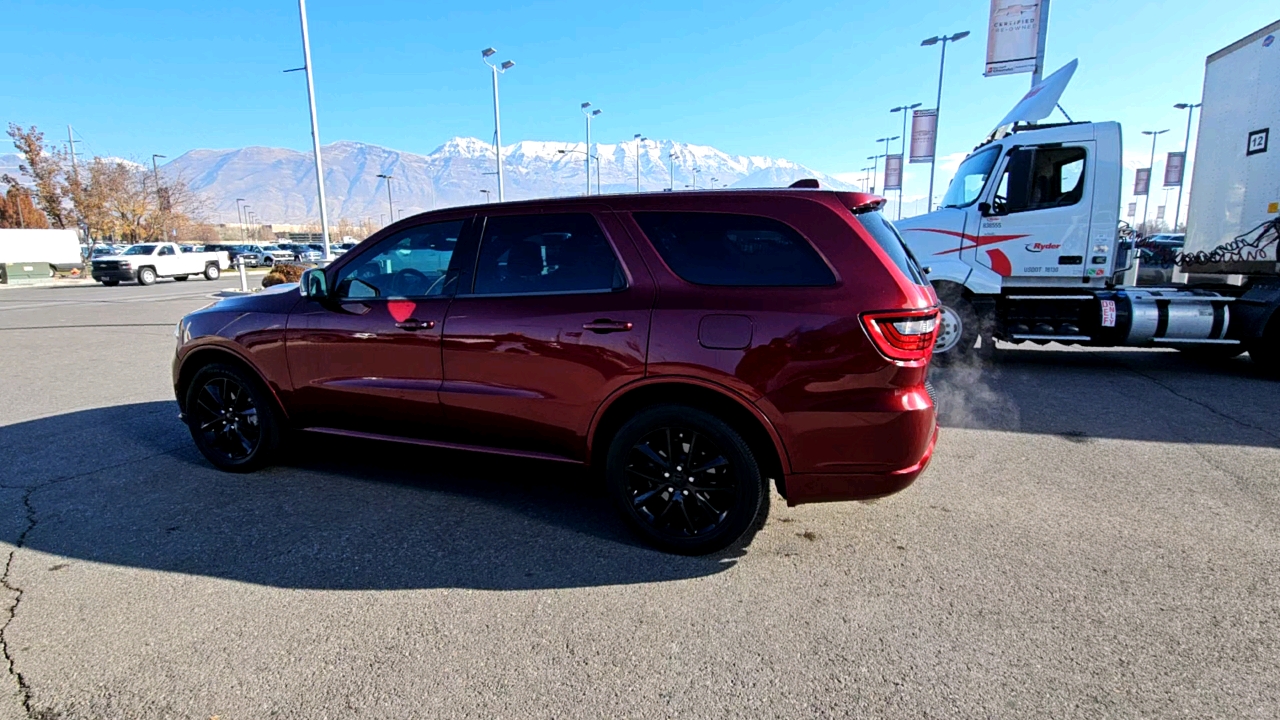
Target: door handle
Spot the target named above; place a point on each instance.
(606, 326)
(412, 325)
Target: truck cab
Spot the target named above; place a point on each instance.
(1036, 208)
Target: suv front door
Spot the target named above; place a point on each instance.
(554, 318)
(368, 357)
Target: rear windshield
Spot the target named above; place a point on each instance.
(729, 250)
(887, 237)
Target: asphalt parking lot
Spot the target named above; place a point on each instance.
(1098, 536)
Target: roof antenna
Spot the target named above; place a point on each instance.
(1064, 112)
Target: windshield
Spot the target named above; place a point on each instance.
(970, 178)
(271, 248)
(140, 250)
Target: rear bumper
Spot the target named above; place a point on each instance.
(831, 487)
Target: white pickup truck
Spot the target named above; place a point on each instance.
(145, 263)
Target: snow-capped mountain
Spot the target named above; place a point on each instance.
(279, 184)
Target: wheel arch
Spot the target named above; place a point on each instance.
(205, 355)
(741, 414)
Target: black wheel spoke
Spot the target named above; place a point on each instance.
(675, 465)
(718, 462)
(648, 452)
(225, 416)
(642, 476)
(644, 497)
(698, 495)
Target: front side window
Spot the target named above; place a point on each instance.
(734, 250)
(140, 250)
(970, 178)
(1040, 178)
(412, 263)
(565, 253)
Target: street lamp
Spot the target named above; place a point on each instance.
(595, 157)
(486, 196)
(866, 178)
(390, 209)
(671, 169)
(590, 114)
(944, 39)
(639, 141)
(695, 172)
(497, 119)
(904, 109)
(315, 129)
(246, 221)
(155, 173)
(1186, 147)
(240, 217)
(1150, 170)
(875, 170)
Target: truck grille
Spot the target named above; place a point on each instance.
(106, 264)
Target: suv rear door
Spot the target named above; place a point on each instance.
(553, 318)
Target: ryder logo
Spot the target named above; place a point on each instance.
(1038, 247)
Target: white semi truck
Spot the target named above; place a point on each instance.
(1026, 241)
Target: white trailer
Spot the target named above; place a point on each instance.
(1026, 243)
(59, 248)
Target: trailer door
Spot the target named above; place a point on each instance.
(1036, 219)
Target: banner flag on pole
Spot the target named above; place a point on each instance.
(924, 135)
(1141, 181)
(1173, 167)
(893, 172)
(1013, 37)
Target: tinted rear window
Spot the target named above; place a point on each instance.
(887, 237)
(734, 250)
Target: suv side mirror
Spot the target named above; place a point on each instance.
(985, 209)
(314, 284)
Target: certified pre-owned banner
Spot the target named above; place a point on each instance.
(1173, 169)
(1013, 37)
(1141, 181)
(893, 172)
(924, 131)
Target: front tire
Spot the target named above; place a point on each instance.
(960, 328)
(685, 481)
(211, 272)
(232, 418)
(146, 276)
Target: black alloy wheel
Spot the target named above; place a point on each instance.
(685, 480)
(231, 420)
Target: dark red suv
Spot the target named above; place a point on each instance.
(686, 347)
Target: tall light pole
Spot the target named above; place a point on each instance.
(497, 118)
(240, 217)
(639, 141)
(904, 109)
(590, 114)
(1151, 166)
(315, 128)
(944, 39)
(390, 208)
(671, 169)
(695, 172)
(875, 170)
(1186, 148)
(246, 222)
(487, 193)
(866, 178)
(886, 141)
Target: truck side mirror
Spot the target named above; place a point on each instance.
(985, 209)
(314, 284)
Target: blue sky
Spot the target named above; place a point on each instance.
(808, 81)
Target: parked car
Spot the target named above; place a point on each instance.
(686, 348)
(243, 253)
(150, 261)
(304, 253)
(273, 253)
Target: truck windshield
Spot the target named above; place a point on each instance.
(140, 250)
(970, 178)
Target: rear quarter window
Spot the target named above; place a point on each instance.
(729, 250)
(887, 237)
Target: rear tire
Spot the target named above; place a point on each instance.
(960, 328)
(685, 481)
(1265, 351)
(146, 276)
(212, 272)
(233, 419)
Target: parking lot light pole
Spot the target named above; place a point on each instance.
(390, 208)
(937, 108)
(671, 169)
(1186, 147)
(315, 128)
(486, 195)
(1151, 166)
(639, 141)
(875, 170)
(590, 114)
(497, 118)
(240, 217)
(904, 109)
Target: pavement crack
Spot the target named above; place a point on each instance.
(12, 610)
(1174, 391)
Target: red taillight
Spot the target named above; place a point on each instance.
(906, 336)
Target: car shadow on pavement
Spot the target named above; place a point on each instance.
(1123, 395)
(125, 486)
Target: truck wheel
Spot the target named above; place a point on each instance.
(1265, 351)
(685, 481)
(959, 329)
(211, 272)
(146, 276)
(232, 418)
